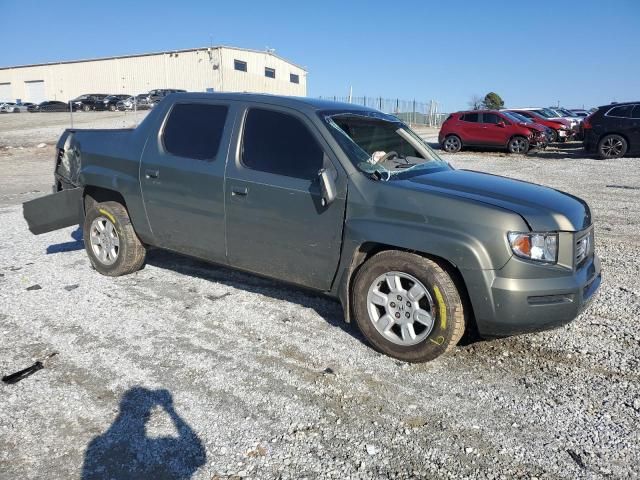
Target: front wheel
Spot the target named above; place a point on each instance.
(407, 306)
(111, 243)
(553, 136)
(612, 146)
(518, 145)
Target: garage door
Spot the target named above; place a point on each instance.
(5, 92)
(35, 91)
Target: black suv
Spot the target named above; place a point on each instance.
(613, 130)
(91, 101)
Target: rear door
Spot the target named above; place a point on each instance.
(471, 128)
(276, 224)
(182, 178)
(496, 130)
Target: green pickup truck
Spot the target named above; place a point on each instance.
(332, 197)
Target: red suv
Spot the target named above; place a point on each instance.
(489, 128)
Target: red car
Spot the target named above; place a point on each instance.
(489, 128)
(561, 129)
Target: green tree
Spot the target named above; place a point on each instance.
(492, 101)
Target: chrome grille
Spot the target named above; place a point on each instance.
(584, 246)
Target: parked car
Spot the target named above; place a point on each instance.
(553, 115)
(49, 106)
(562, 130)
(6, 106)
(139, 102)
(88, 102)
(489, 128)
(612, 131)
(337, 198)
(154, 96)
(528, 121)
(110, 102)
(580, 112)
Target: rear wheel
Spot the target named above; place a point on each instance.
(452, 144)
(612, 146)
(407, 306)
(518, 145)
(111, 243)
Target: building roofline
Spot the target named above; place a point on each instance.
(133, 55)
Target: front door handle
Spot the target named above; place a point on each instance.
(151, 174)
(239, 191)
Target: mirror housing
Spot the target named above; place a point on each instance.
(328, 186)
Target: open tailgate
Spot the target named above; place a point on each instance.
(55, 211)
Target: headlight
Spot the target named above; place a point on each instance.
(539, 247)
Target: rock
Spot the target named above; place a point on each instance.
(34, 287)
(42, 145)
(371, 449)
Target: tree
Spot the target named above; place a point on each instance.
(476, 102)
(492, 101)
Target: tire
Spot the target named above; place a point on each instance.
(554, 136)
(117, 232)
(86, 108)
(518, 145)
(452, 144)
(612, 146)
(386, 327)
(112, 108)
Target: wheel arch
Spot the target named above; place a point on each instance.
(368, 249)
(626, 138)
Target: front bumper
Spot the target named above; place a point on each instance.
(522, 305)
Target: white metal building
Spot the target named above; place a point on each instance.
(220, 69)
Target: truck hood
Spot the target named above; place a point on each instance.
(543, 208)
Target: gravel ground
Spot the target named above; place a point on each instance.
(209, 373)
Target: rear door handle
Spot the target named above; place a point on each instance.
(239, 191)
(151, 174)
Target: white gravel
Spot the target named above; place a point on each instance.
(270, 383)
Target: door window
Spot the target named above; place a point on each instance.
(636, 112)
(623, 111)
(491, 118)
(281, 144)
(470, 117)
(194, 130)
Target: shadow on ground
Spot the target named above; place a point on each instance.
(329, 309)
(125, 451)
(77, 244)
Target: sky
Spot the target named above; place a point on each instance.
(532, 53)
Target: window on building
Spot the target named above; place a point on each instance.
(270, 72)
(240, 65)
(194, 130)
(293, 78)
(278, 143)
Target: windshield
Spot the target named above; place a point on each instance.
(381, 145)
(545, 112)
(516, 117)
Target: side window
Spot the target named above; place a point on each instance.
(470, 117)
(636, 112)
(623, 111)
(278, 143)
(490, 118)
(194, 130)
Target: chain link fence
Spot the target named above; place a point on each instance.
(409, 111)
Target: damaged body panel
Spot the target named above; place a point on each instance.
(310, 192)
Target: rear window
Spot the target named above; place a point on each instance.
(623, 111)
(194, 130)
(470, 117)
(281, 144)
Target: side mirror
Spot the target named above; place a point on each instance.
(328, 186)
(501, 124)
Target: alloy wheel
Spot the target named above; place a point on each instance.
(105, 243)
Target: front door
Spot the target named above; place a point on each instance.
(182, 178)
(276, 223)
(496, 131)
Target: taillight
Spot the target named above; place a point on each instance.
(586, 123)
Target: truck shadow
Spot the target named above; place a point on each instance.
(125, 451)
(77, 244)
(329, 309)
